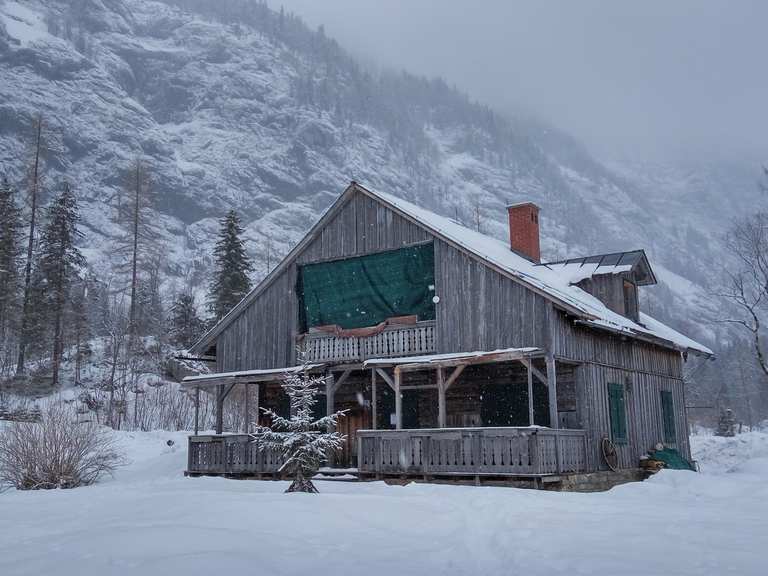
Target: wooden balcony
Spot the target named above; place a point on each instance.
(393, 341)
(472, 452)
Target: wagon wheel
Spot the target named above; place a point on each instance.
(610, 455)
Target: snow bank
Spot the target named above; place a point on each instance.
(718, 455)
(150, 520)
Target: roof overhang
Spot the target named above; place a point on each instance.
(247, 376)
(411, 363)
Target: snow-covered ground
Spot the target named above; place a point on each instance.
(151, 520)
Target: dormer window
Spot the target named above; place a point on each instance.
(630, 300)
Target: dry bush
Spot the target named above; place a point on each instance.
(57, 452)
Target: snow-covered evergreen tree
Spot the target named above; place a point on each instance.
(230, 281)
(10, 268)
(303, 441)
(184, 324)
(59, 263)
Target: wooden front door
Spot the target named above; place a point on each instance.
(354, 420)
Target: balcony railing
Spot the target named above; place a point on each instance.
(393, 341)
(472, 451)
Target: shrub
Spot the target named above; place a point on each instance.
(56, 452)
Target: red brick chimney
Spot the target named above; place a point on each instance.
(524, 230)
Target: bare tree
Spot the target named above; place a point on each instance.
(138, 245)
(34, 191)
(746, 284)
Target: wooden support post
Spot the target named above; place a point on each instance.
(330, 387)
(247, 415)
(531, 421)
(197, 410)
(552, 390)
(219, 409)
(258, 408)
(374, 403)
(398, 400)
(441, 414)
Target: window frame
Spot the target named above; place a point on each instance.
(668, 424)
(617, 413)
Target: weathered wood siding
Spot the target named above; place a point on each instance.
(647, 369)
(642, 393)
(479, 309)
(263, 335)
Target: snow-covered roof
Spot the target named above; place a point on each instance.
(578, 269)
(557, 284)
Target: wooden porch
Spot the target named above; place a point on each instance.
(472, 452)
(526, 442)
(511, 452)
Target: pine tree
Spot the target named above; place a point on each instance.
(34, 192)
(303, 442)
(184, 324)
(11, 229)
(231, 282)
(59, 263)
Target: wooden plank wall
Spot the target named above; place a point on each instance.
(647, 368)
(643, 407)
(263, 335)
(479, 309)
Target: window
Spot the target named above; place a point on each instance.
(668, 417)
(618, 413)
(630, 300)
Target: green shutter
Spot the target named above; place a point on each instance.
(366, 290)
(668, 417)
(617, 413)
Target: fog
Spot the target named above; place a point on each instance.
(652, 80)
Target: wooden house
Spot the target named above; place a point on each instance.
(455, 354)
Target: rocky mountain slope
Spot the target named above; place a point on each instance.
(235, 105)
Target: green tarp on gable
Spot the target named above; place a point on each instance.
(365, 290)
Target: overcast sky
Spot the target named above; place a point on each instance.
(648, 79)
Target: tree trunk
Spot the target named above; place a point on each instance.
(20, 362)
(134, 259)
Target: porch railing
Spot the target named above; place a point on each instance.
(393, 341)
(229, 454)
(472, 451)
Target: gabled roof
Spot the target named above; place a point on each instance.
(494, 253)
(578, 269)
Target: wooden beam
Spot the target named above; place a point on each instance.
(536, 372)
(197, 410)
(247, 415)
(454, 376)
(398, 401)
(374, 404)
(387, 378)
(258, 407)
(441, 416)
(330, 388)
(342, 378)
(531, 420)
(220, 410)
(552, 389)
(420, 387)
